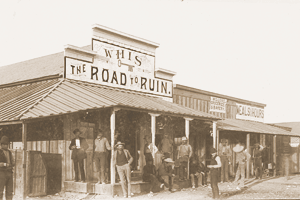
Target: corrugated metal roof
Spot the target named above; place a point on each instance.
(44, 66)
(252, 127)
(72, 96)
(15, 100)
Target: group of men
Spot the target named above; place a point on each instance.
(162, 176)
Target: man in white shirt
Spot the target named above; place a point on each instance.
(184, 154)
(100, 154)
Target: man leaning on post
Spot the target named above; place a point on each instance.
(6, 167)
(122, 159)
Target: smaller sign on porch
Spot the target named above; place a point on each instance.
(217, 105)
(249, 113)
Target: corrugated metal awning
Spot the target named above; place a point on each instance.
(68, 96)
(252, 127)
(16, 100)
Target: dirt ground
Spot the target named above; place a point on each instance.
(267, 188)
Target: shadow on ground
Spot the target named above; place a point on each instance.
(248, 185)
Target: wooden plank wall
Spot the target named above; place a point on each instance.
(204, 104)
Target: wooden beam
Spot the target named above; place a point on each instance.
(218, 139)
(215, 134)
(187, 134)
(112, 130)
(153, 130)
(10, 123)
(248, 160)
(24, 144)
(274, 155)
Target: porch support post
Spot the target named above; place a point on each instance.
(274, 155)
(187, 134)
(24, 160)
(112, 137)
(218, 139)
(215, 134)
(153, 130)
(248, 160)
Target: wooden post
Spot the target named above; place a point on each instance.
(274, 155)
(215, 134)
(24, 160)
(187, 134)
(248, 160)
(112, 137)
(153, 130)
(298, 158)
(218, 139)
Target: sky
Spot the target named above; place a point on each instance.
(240, 48)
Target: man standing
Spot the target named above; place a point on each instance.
(257, 156)
(122, 159)
(241, 158)
(6, 167)
(78, 146)
(147, 151)
(101, 148)
(225, 155)
(166, 146)
(184, 154)
(214, 165)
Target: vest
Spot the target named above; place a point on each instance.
(4, 160)
(121, 159)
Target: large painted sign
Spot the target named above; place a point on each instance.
(217, 105)
(249, 113)
(119, 67)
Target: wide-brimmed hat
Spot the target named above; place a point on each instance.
(184, 139)
(119, 143)
(168, 160)
(238, 148)
(76, 130)
(4, 140)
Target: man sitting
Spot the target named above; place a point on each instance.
(166, 174)
(198, 169)
(149, 175)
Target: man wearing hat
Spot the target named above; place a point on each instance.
(100, 154)
(215, 163)
(166, 174)
(225, 155)
(78, 146)
(241, 158)
(6, 167)
(147, 151)
(166, 146)
(184, 154)
(122, 159)
(257, 156)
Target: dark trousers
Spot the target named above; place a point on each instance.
(224, 168)
(81, 168)
(152, 179)
(170, 179)
(258, 167)
(6, 179)
(214, 182)
(182, 170)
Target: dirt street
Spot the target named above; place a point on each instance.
(267, 188)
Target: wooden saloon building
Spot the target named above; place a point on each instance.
(243, 121)
(113, 85)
